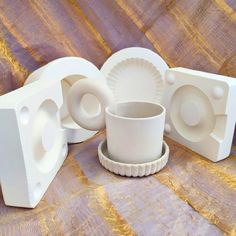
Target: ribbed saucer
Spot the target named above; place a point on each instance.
(132, 170)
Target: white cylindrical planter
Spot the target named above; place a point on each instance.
(135, 132)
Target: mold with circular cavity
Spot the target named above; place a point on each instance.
(49, 134)
(68, 70)
(191, 113)
(89, 102)
(46, 136)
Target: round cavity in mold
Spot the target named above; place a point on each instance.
(91, 104)
(37, 192)
(218, 92)
(191, 113)
(24, 115)
(49, 134)
(46, 136)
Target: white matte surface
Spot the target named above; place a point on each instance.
(94, 88)
(132, 170)
(33, 145)
(69, 70)
(135, 74)
(201, 111)
(135, 132)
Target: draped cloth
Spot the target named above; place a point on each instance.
(191, 195)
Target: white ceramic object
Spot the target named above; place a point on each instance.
(33, 145)
(69, 70)
(96, 88)
(137, 126)
(135, 132)
(132, 170)
(135, 74)
(200, 111)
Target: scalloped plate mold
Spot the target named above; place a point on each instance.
(135, 74)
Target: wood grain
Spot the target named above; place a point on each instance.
(191, 195)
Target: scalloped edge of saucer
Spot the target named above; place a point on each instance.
(133, 170)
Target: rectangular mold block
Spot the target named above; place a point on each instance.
(185, 86)
(22, 113)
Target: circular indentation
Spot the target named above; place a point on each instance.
(46, 136)
(37, 192)
(24, 115)
(64, 150)
(167, 128)
(170, 78)
(49, 134)
(190, 113)
(77, 110)
(91, 104)
(218, 92)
